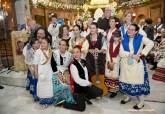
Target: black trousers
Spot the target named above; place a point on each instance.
(80, 98)
(80, 103)
(93, 92)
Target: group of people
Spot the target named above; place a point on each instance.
(62, 61)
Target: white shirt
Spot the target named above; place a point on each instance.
(54, 30)
(67, 58)
(75, 75)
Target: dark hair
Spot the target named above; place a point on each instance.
(46, 39)
(62, 40)
(81, 27)
(116, 20)
(32, 41)
(136, 26)
(160, 19)
(148, 21)
(54, 16)
(47, 34)
(117, 33)
(94, 23)
(77, 47)
(77, 27)
(61, 30)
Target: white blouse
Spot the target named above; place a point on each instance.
(77, 79)
(67, 58)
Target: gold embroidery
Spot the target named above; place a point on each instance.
(47, 57)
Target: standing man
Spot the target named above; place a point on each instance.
(53, 29)
(103, 23)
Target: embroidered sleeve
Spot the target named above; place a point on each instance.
(70, 45)
(105, 44)
(148, 45)
(85, 46)
(37, 58)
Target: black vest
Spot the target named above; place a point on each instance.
(98, 43)
(81, 72)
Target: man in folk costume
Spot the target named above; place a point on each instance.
(112, 64)
(134, 76)
(83, 90)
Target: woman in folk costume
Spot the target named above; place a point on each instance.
(63, 58)
(83, 89)
(97, 45)
(29, 52)
(112, 59)
(61, 87)
(78, 40)
(128, 20)
(64, 34)
(50, 89)
(160, 70)
(134, 76)
(43, 72)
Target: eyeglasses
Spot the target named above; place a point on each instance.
(131, 29)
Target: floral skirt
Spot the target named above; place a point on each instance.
(136, 89)
(112, 85)
(61, 91)
(46, 101)
(31, 85)
(28, 80)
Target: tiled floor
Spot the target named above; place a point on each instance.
(16, 100)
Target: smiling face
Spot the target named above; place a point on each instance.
(131, 31)
(40, 34)
(162, 31)
(44, 44)
(90, 20)
(76, 31)
(112, 23)
(107, 12)
(93, 29)
(65, 31)
(128, 17)
(36, 45)
(76, 53)
(62, 46)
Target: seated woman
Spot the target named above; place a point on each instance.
(50, 89)
(134, 75)
(83, 88)
(159, 74)
(63, 58)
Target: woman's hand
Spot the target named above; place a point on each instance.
(110, 66)
(136, 57)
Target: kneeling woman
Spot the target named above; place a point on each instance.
(83, 88)
(134, 76)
